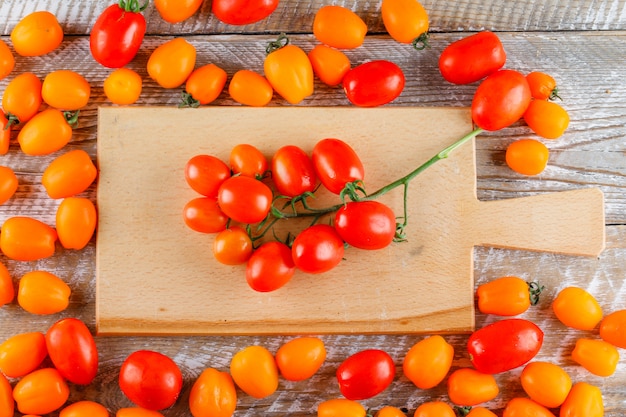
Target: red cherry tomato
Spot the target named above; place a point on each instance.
(73, 351)
(472, 58)
(336, 164)
(373, 83)
(270, 267)
(232, 246)
(205, 174)
(117, 34)
(204, 215)
(245, 199)
(365, 374)
(500, 100)
(150, 379)
(366, 224)
(504, 345)
(248, 160)
(293, 172)
(243, 12)
(317, 249)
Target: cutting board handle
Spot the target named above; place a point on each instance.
(568, 222)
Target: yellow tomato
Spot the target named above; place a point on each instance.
(7, 60)
(546, 118)
(339, 27)
(7, 404)
(76, 221)
(427, 362)
(340, 407)
(8, 184)
(47, 132)
(546, 383)
(390, 411)
(22, 97)
(41, 292)
(289, 71)
(251, 89)
(254, 370)
(7, 291)
(213, 394)
(123, 86)
(434, 409)
(65, 90)
(37, 34)
(300, 358)
(576, 308)
(172, 62)
(329, 64)
(137, 412)
(468, 387)
(584, 400)
(406, 21)
(176, 11)
(26, 239)
(41, 392)
(204, 85)
(5, 134)
(613, 328)
(84, 409)
(527, 156)
(69, 174)
(22, 354)
(597, 356)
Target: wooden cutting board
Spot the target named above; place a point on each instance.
(156, 276)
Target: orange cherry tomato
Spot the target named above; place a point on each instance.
(300, 358)
(576, 308)
(84, 409)
(597, 356)
(289, 71)
(329, 64)
(137, 412)
(339, 27)
(76, 220)
(8, 184)
(390, 411)
(527, 156)
(7, 60)
(247, 160)
(213, 394)
(27, 239)
(254, 370)
(204, 85)
(41, 392)
(525, 407)
(69, 174)
(428, 361)
(172, 62)
(250, 88)
(468, 387)
(176, 11)
(340, 407)
(123, 86)
(7, 404)
(7, 291)
(584, 400)
(41, 292)
(206, 173)
(542, 86)
(507, 296)
(65, 90)
(37, 34)
(613, 328)
(203, 215)
(406, 21)
(22, 98)
(434, 409)
(546, 383)
(22, 354)
(47, 132)
(5, 134)
(546, 118)
(232, 246)
(480, 412)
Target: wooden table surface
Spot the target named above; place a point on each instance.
(582, 43)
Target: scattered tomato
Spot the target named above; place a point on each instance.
(365, 374)
(171, 63)
(300, 358)
(41, 292)
(336, 164)
(340, 407)
(317, 249)
(7, 60)
(176, 11)
(525, 407)
(507, 296)
(293, 172)
(527, 156)
(203, 215)
(546, 118)
(270, 267)
(250, 88)
(373, 83)
(577, 308)
(7, 403)
(232, 246)
(247, 160)
(205, 173)
(546, 383)
(330, 65)
(83, 409)
(289, 71)
(428, 361)
(65, 90)
(390, 411)
(597, 356)
(41, 392)
(137, 412)
(243, 12)
(5, 134)
(73, 350)
(36, 34)
(22, 98)
(123, 86)
(469, 387)
(245, 199)
(542, 86)
(480, 412)
(339, 27)
(22, 354)
(27, 239)
(8, 184)
(69, 174)
(76, 220)
(213, 394)
(7, 291)
(204, 85)
(613, 328)
(406, 21)
(47, 132)
(434, 409)
(584, 400)
(366, 224)
(254, 370)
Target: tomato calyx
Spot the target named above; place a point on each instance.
(12, 120)
(133, 6)
(554, 95)
(462, 411)
(421, 42)
(188, 101)
(277, 44)
(71, 117)
(534, 291)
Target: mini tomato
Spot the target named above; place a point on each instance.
(329, 64)
(390, 411)
(270, 267)
(232, 246)
(254, 370)
(406, 21)
(65, 90)
(203, 86)
(123, 86)
(428, 361)
(365, 374)
(500, 100)
(213, 394)
(546, 118)
(507, 296)
(7, 291)
(8, 184)
(597, 356)
(171, 63)
(137, 412)
(504, 345)
(73, 350)
(340, 407)
(150, 379)
(204, 215)
(613, 328)
(205, 173)
(527, 156)
(339, 27)
(288, 70)
(47, 132)
(472, 58)
(293, 172)
(300, 358)
(584, 400)
(84, 408)
(366, 224)
(41, 292)
(247, 160)
(5, 134)
(336, 164)
(36, 34)
(22, 98)
(117, 34)
(27, 239)
(76, 220)
(41, 392)
(7, 60)
(244, 199)
(434, 409)
(480, 412)
(373, 83)
(176, 11)
(250, 88)
(546, 383)
(577, 308)
(22, 353)
(7, 403)
(542, 86)
(468, 387)
(317, 249)
(243, 12)
(524, 407)
(69, 174)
